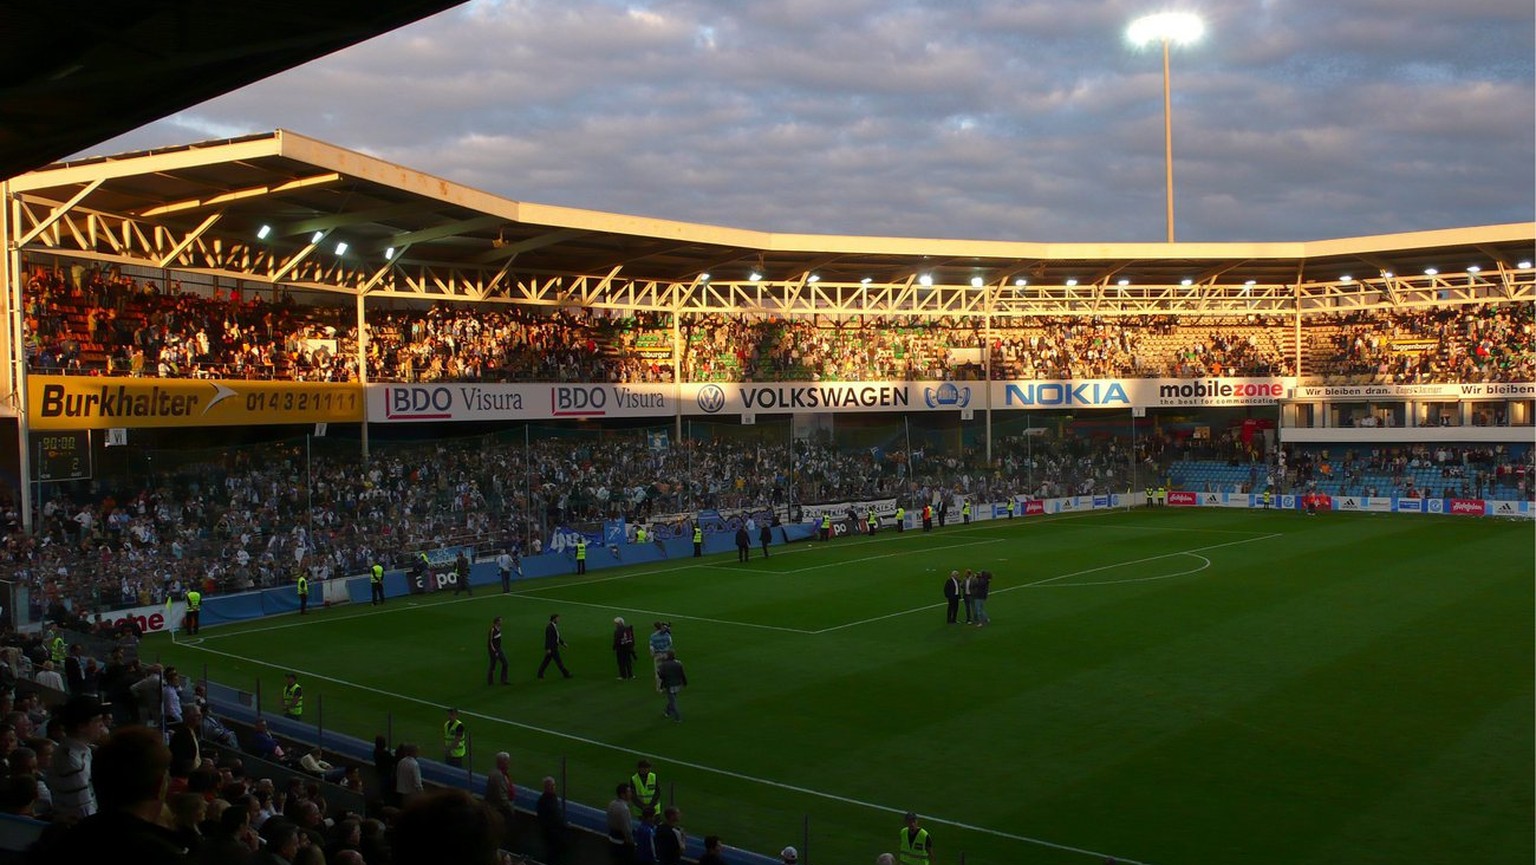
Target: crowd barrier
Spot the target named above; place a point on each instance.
(1356, 504)
(245, 606)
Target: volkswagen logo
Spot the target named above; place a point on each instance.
(711, 398)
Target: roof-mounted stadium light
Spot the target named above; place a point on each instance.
(1186, 281)
(389, 254)
(1387, 274)
(1472, 268)
(754, 276)
(341, 247)
(925, 279)
(1251, 282)
(703, 277)
(1020, 282)
(1346, 278)
(865, 281)
(976, 282)
(813, 278)
(1124, 282)
(1430, 271)
(262, 232)
(317, 237)
(1168, 28)
(1071, 282)
(1524, 265)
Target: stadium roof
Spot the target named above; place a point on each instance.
(273, 208)
(79, 72)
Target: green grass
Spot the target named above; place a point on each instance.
(1171, 687)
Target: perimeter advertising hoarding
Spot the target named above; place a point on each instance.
(58, 402)
(1144, 392)
(417, 403)
(1486, 390)
(793, 397)
(427, 403)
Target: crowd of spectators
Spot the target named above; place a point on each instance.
(233, 519)
(1420, 470)
(96, 321)
(129, 762)
(1486, 343)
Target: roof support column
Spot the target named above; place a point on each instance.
(14, 281)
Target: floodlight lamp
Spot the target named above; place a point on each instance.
(317, 237)
(389, 254)
(1174, 28)
(262, 232)
(1020, 282)
(1251, 282)
(1071, 282)
(1124, 282)
(341, 247)
(813, 278)
(755, 276)
(1186, 281)
(1524, 265)
(1430, 271)
(1472, 268)
(925, 279)
(1346, 278)
(1387, 274)
(975, 282)
(865, 281)
(703, 277)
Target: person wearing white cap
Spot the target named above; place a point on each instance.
(789, 856)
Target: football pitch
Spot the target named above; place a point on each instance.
(1173, 687)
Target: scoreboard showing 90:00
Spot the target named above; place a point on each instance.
(64, 455)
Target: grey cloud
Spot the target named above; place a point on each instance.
(971, 118)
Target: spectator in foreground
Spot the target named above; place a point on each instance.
(713, 851)
(671, 840)
(282, 839)
(407, 774)
(314, 763)
(70, 771)
(263, 744)
(234, 842)
(499, 791)
(551, 819)
(448, 826)
(621, 832)
(131, 775)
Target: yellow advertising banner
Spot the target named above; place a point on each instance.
(84, 402)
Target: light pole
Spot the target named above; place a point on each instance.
(1169, 28)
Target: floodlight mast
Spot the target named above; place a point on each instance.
(1168, 28)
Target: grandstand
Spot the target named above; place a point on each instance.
(240, 362)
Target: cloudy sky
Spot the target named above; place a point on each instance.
(987, 119)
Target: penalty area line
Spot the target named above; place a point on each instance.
(652, 755)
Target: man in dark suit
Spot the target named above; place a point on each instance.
(552, 646)
(952, 597)
(743, 545)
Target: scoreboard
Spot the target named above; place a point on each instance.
(64, 455)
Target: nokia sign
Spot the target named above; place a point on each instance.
(1095, 393)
